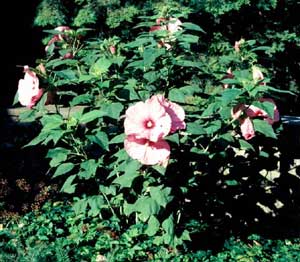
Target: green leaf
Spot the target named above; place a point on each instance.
(88, 169)
(191, 26)
(173, 138)
(188, 38)
(195, 129)
(112, 110)
(151, 54)
(68, 187)
(100, 67)
(37, 140)
(100, 139)
(117, 139)
(81, 99)
(213, 127)
(16, 98)
(57, 155)
(51, 122)
(91, 116)
(160, 195)
(146, 206)
(96, 203)
(153, 226)
(80, 206)
(245, 145)
(160, 169)
(264, 128)
(168, 226)
(63, 169)
(230, 95)
(131, 172)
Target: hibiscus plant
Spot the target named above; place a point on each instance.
(157, 128)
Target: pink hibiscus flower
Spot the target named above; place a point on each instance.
(147, 120)
(247, 128)
(28, 89)
(146, 124)
(147, 152)
(174, 110)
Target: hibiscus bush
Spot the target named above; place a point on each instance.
(158, 129)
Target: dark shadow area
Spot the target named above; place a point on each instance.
(21, 45)
(22, 171)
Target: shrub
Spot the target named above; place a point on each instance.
(197, 114)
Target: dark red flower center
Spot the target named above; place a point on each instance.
(149, 123)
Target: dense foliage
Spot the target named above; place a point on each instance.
(171, 128)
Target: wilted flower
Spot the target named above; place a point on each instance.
(228, 76)
(58, 37)
(172, 25)
(247, 128)
(28, 88)
(257, 74)
(237, 44)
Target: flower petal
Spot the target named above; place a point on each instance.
(247, 128)
(147, 152)
(28, 88)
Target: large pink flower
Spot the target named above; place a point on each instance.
(147, 152)
(148, 120)
(28, 89)
(174, 110)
